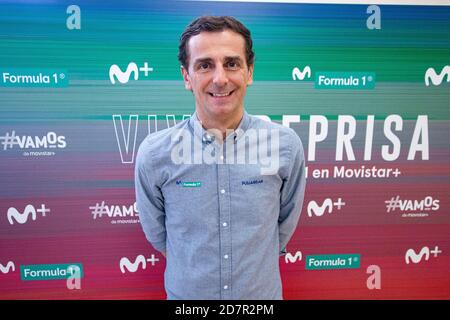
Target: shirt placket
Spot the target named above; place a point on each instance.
(225, 228)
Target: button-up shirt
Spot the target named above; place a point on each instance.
(221, 221)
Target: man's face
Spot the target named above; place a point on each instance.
(218, 73)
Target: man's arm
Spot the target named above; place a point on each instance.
(292, 193)
(149, 200)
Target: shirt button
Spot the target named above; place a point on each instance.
(222, 191)
(224, 224)
(221, 157)
(225, 256)
(225, 287)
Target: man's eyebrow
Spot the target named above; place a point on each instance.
(233, 58)
(229, 58)
(202, 60)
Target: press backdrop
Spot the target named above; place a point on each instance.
(365, 87)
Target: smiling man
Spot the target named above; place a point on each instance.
(218, 74)
(221, 224)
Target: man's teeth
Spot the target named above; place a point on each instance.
(221, 94)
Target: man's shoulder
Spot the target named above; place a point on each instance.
(284, 132)
(160, 140)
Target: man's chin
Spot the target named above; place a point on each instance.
(222, 111)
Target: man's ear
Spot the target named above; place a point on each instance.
(186, 78)
(250, 75)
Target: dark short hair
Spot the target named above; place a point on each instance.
(214, 24)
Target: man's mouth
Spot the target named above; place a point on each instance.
(220, 94)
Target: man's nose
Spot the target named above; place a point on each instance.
(220, 77)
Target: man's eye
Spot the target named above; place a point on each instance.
(204, 66)
(232, 65)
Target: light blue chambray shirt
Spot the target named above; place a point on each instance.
(222, 225)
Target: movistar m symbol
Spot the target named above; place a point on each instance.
(436, 78)
(124, 77)
(297, 74)
(22, 217)
(327, 205)
(139, 263)
(9, 266)
(412, 256)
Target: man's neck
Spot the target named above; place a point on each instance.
(223, 124)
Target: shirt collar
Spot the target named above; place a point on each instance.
(206, 138)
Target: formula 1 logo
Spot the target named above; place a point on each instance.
(436, 79)
(5, 269)
(289, 258)
(139, 262)
(124, 77)
(327, 205)
(22, 217)
(300, 75)
(412, 256)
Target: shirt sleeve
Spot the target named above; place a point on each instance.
(292, 193)
(149, 200)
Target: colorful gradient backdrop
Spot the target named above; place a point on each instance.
(90, 169)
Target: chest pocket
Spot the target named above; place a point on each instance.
(256, 198)
(190, 203)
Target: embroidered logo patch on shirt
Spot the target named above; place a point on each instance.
(249, 182)
(189, 184)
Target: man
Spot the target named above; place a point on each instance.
(220, 223)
